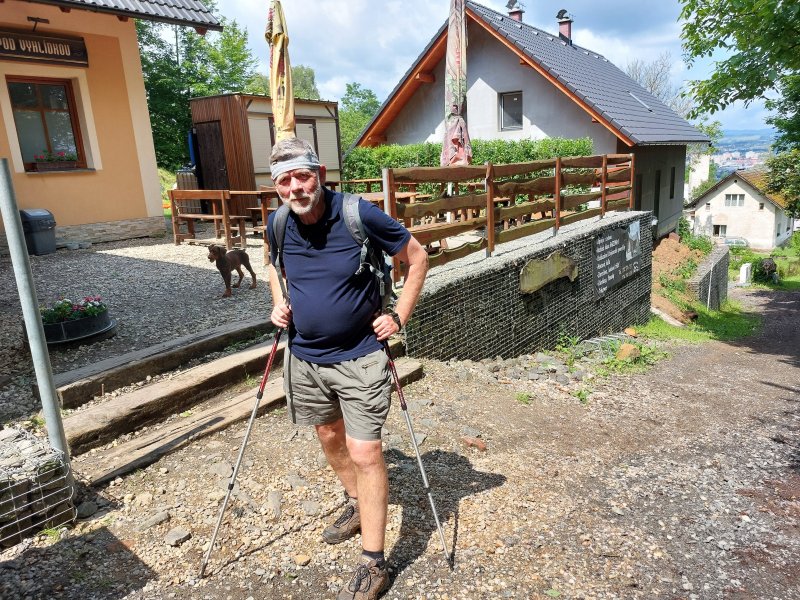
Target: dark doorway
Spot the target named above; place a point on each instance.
(211, 155)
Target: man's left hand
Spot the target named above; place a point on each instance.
(384, 327)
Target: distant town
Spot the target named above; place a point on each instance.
(742, 149)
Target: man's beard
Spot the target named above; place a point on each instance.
(303, 209)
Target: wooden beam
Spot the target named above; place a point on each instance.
(425, 77)
(377, 138)
(201, 31)
(122, 18)
(64, 9)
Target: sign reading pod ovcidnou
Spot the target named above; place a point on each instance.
(58, 50)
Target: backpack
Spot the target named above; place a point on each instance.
(371, 258)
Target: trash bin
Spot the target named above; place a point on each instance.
(39, 226)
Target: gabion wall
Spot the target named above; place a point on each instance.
(473, 308)
(712, 273)
(36, 487)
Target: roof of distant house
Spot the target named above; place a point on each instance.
(179, 12)
(595, 83)
(755, 177)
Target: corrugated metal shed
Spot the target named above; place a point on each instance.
(180, 12)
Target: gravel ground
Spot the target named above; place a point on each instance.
(680, 482)
(157, 291)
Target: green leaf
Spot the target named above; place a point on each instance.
(553, 593)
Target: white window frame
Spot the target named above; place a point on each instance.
(734, 199)
(719, 231)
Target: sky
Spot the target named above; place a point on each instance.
(375, 42)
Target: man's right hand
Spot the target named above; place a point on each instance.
(282, 315)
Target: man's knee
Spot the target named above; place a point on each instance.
(331, 433)
(365, 455)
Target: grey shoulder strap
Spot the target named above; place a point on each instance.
(279, 233)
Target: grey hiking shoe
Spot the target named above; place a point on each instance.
(368, 582)
(346, 526)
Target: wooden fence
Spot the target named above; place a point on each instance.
(500, 203)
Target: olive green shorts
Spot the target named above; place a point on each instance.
(357, 390)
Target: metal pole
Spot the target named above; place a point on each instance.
(30, 311)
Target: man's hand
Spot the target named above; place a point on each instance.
(384, 327)
(282, 315)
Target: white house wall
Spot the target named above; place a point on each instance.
(493, 69)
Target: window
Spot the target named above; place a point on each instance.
(511, 111)
(657, 195)
(734, 199)
(708, 205)
(760, 206)
(45, 119)
(720, 230)
(672, 183)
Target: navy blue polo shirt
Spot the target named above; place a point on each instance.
(332, 308)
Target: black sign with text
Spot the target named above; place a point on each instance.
(617, 256)
(57, 50)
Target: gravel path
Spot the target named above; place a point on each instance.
(681, 482)
(157, 291)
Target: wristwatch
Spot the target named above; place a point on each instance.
(396, 319)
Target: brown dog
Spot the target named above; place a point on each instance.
(228, 262)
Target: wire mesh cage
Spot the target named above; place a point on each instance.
(36, 487)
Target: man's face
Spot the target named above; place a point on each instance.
(300, 189)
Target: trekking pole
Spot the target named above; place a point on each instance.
(425, 484)
(259, 395)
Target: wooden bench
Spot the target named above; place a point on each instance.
(183, 204)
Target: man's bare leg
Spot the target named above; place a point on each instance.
(332, 438)
(373, 490)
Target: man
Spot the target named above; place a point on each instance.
(337, 378)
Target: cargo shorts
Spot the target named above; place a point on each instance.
(358, 390)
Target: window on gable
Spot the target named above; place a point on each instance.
(510, 111)
(46, 121)
(760, 206)
(734, 199)
(708, 205)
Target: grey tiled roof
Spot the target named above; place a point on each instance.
(181, 12)
(596, 81)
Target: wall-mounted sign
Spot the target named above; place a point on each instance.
(19, 45)
(617, 256)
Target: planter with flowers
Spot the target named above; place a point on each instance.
(68, 321)
(55, 161)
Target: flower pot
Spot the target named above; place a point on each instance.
(68, 331)
(56, 165)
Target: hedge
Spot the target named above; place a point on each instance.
(364, 163)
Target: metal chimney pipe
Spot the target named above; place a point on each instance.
(564, 26)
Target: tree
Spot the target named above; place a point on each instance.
(783, 178)
(656, 78)
(761, 39)
(303, 83)
(356, 109)
(786, 117)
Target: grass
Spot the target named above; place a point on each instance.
(648, 356)
(523, 398)
(728, 323)
(167, 180)
(582, 395)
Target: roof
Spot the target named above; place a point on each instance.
(591, 80)
(179, 12)
(755, 177)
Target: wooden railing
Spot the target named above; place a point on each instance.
(501, 203)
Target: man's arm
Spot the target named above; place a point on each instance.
(416, 259)
(281, 312)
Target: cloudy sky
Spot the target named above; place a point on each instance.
(375, 42)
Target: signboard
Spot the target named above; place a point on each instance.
(57, 50)
(617, 256)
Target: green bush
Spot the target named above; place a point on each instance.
(363, 163)
(694, 242)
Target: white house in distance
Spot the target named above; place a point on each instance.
(739, 207)
(526, 83)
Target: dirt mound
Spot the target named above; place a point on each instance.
(669, 255)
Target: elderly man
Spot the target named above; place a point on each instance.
(337, 377)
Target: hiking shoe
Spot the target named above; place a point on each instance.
(346, 526)
(368, 582)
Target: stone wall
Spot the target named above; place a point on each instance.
(711, 274)
(473, 308)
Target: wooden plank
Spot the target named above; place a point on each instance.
(439, 174)
(603, 186)
(445, 256)
(514, 169)
(434, 207)
(617, 204)
(587, 179)
(632, 200)
(503, 213)
(579, 216)
(557, 193)
(490, 217)
(538, 186)
(198, 194)
(522, 231)
(427, 234)
(619, 175)
(571, 201)
(198, 216)
(582, 162)
(619, 159)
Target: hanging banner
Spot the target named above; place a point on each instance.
(46, 49)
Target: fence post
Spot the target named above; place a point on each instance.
(557, 195)
(632, 203)
(489, 185)
(603, 183)
(390, 208)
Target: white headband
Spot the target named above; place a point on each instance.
(306, 161)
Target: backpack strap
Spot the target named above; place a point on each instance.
(279, 233)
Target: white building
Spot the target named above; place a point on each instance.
(739, 207)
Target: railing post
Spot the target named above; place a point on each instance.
(632, 203)
(390, 208)
(489, 186)
(557, 195)
(603, 182)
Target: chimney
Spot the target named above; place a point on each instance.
(564, 26)
(515, 10)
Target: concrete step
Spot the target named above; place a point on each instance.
(99, 467)
(108, 420)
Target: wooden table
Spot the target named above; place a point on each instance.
(183, 202)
